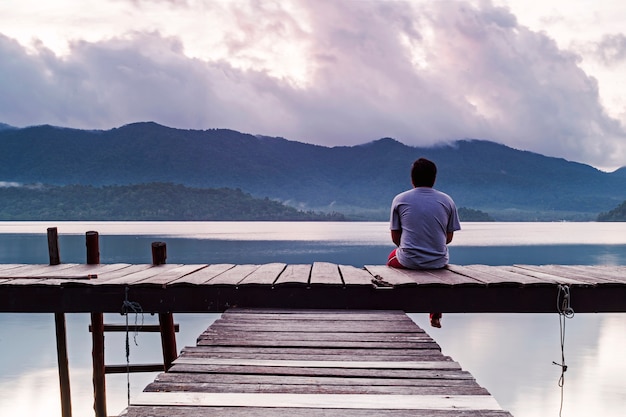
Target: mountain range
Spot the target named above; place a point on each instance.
(359, 181)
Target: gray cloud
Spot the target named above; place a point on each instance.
(425, 73)
(612, 49)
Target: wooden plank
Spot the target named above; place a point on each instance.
(264, 275)
(5, 269)
(322, 364)
(319, 336)
(450, 277)
(324, 273)
(350, 401)
(326, 380)
(392, 276)
(274, 352)
(135, 275)
(86, 272)
(294, 275)
(203, 275)
(316, 388)
(36, 271)
(353, 276)
(233, 276)
(265, 314)
(496, 276)
(168, 276)
(530, 271)
(599, 274)
(334, 344)
(320, 326)
(189, 411)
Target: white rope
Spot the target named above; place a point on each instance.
(132, 307)
(565, 310)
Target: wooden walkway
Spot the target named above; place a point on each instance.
(300, 363)
(216, 287)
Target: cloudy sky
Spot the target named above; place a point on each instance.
(546, 76)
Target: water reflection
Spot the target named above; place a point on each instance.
(511, 355)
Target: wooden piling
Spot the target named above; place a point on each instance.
(61, 333)
(97, 354)
(159, 253)
(93, 247)
(53, 246)
(64, 373)
(166, 320)
(168, 339)
(97, 335)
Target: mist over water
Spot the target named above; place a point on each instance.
(509, 354)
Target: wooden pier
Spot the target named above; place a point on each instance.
(259, 362)
(174, 288)
(171, 288)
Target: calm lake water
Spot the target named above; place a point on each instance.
(509, 354)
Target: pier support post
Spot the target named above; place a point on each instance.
(61, 333)
(53, 246)
(93, 248)
(97, 355)
(97, 335)
(166, 320)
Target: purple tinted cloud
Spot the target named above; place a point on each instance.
(423, 74)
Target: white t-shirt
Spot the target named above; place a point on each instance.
(425, 216)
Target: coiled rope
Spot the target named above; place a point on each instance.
(130, 307)
(565, 310)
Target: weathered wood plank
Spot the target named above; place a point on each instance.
(202, 276)
(521, 269)
(315, 371)
(392, 276)
(326, 380)
(324, 273)
(317, 388)
(332, 344)
(295, 275)
(353, 276)
(36, 271)
(189, 411)
(106, 276)
(265, 314)
(141, 274)
(591, 275)
(272, 352)
(319, 336)
(265, 275)
(495, 276)
(233, 276)
(351, 401)
(321, 326)
(450, 277)
(322, 364)
(169, 276)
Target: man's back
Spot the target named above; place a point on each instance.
(424, 216)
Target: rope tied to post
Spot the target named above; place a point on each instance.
(130, 307)
(565, 310)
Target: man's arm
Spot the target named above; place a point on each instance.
(449, 237)
(395, 236)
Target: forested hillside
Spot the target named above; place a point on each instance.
(618, 214)
(360, 181)
(156, 201)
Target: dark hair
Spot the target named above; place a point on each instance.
(423, 173)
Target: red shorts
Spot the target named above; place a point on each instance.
(393, 261)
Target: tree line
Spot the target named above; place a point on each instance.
(145, 202)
